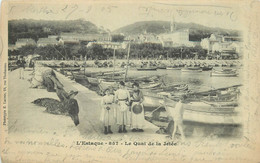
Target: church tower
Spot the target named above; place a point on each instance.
(173, 25)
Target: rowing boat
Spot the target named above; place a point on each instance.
(224, 73)
(191, 69)
(147, 69)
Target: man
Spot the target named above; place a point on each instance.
(137, 109)
(122, 97)
(69, 103)
(21, 64)
(175, 115)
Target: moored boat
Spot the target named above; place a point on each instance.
(206, 68)
(191, 69)
(173, 68)
(203, 113)
(147, 69)
(224, 73)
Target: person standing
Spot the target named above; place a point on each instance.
(137, 109)
(176, 117)
(107, 111)
(122, 97)
(21, 64)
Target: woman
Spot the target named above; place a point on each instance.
(107, 111)
(122, 97)
(137, 109)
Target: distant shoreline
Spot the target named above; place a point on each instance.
(118, 62)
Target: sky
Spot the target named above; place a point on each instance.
(115, 15)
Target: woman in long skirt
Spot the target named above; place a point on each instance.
(107, 111)
(137, 109)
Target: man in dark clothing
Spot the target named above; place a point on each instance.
(21, 64)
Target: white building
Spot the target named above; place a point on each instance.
(24, 41)
(47, 41)
(85, 37)
(109, 45)
(227, 46)
(207, 43)
(175, 37)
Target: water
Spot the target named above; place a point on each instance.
(197, 81)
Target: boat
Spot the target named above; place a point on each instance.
(161, 66)
(101, 73)
(221, 103)
(173, 68)
(206, 68)
(172, 87)
(191, 69)
(70, 69)
(94, 81)
(223, 73)
(150, 85)
(147, 69)
(200, 112)
(85, 79)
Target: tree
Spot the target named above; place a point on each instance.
(118, 38)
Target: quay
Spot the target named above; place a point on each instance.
(24, 115)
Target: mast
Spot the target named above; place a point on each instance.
(85, 59)
(127, 62)
(114, 65)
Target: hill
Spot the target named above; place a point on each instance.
(28, 28)
(197, 32)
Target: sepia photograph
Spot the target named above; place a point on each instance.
(148, 81)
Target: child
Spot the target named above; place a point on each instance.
(106, 111)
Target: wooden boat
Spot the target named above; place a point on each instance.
(84, 79)
(102, 73)
(70, 69)
(147, 69)
(221, 103)
(161, 67)
(173, 87)
(206, 68)
(202, 113)
(224, 73)
(150, 85)
(191, 69)
(94, 81)
(173, 68)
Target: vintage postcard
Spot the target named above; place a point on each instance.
(130, 81)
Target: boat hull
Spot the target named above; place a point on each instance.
(146, 69)
(216, 74)
(191, 70)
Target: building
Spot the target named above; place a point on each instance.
(217, 43)
(47, 41)
(24, 41)
(53, 36)
(227, 46)
(85, 37)
(11, 47)
(175, 37)
(207, 43)
(109, 45)
(46, 29)
(231, 39)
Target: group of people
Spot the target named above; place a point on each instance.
(126, 109)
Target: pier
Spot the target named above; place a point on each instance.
(25, 116)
